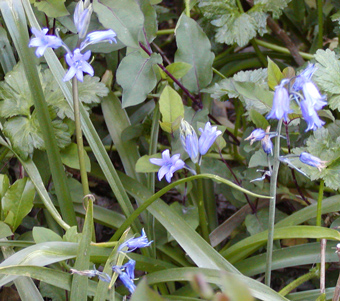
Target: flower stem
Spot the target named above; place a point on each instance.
(297, 282)
(320, 23)
(187, 8)
(319, 210)
(79, 138)
(272, 202)
(201, 207)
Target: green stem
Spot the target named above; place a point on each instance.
(272, 203)
(239, 113)
(187, 8)
(319, 211)
(201, 207)
(79, 138)
(297, 282)
(239, 5)
(320, 23)
(271, 46)
(165, 31)
(218, 73)
(258, 52)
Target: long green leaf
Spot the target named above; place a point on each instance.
(87, 127)
(245, 247)
(258, 289)
(14, 16)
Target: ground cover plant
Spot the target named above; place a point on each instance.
(169, 150)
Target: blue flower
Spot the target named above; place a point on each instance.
(267, 145)
(281, 102)
(189, 140)
(207, 138)
(256, 135)
(82, 17)
(135, 243)
(313, 96)
(168, 165)
(98, 37)
(310, 115)
(303, 77)
(78, 64)
(308, 159)
(42, 41)
(126, 274)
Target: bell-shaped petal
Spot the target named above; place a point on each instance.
(78, 64)
(281, 103)
(99, 37)
(311, 160)
(42, 41)
(189, 140)
(82, 16)
(310, 115)
(207, 138)
(135, 243)
(303, 77)
(256, 135)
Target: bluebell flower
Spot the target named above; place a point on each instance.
(42, 41)
(310, 160)
(92, 273)
(310, 115)
(78, 64)
(189, 140)
(82, 17)
(281, 103)
(135, 243)
(256, 135)
(313, 96)
(98, 37)
(126, 274)
(207, 138)
(303, 77)
(168, 165)
(267, 145)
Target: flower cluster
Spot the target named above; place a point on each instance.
(76, 60)
(126, 272)
(195, 148)
(310, 102)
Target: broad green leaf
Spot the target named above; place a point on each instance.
(123, 16)
(52, 292)
(257, 289)
(171, 108)
(7, 59)
(5, 230)
(258, 119)
(69, 157)
(52, 8)
(144, 165)
(243, 248)
(41, 235)
(194, 48)
(17, 202)
(150, 21)
(76, 190)
(327, 76)
(274, 74)
(4, 184)
(144, 293)
(178, 70)
(72, 235)
(136, 76)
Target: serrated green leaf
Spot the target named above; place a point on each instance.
(274, 74)
(194, 48)
(327, 76)
(69, 157)
(273, 6)
(171, 108)
(52, 8)
(137, 77)
(91, 89)
(17, 202)
(123, 16)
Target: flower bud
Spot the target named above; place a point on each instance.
(189, 140)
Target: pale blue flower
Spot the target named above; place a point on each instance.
(126, 274)
(267, 145)
(207, 138)
(98, 37)
(311, 160)
(304, 76)
(42, 41)
(281, 102)
(189, 140)
(82, 17)
(310, 115)
(135, 243)
(78, 64)
(168, 165)
(256, 135)
(313, 96)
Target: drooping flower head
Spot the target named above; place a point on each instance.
(78, 64)
(42, 41)
(305, 76)
(135, 243)
(82, 16)
(267, 143)
(310, 115)
(311, 160)
(168, 165)
(99, 37)
(207, 138)
(189, 140)
(281, 102)
(313, 96)
(126, 274)
(256, 135)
